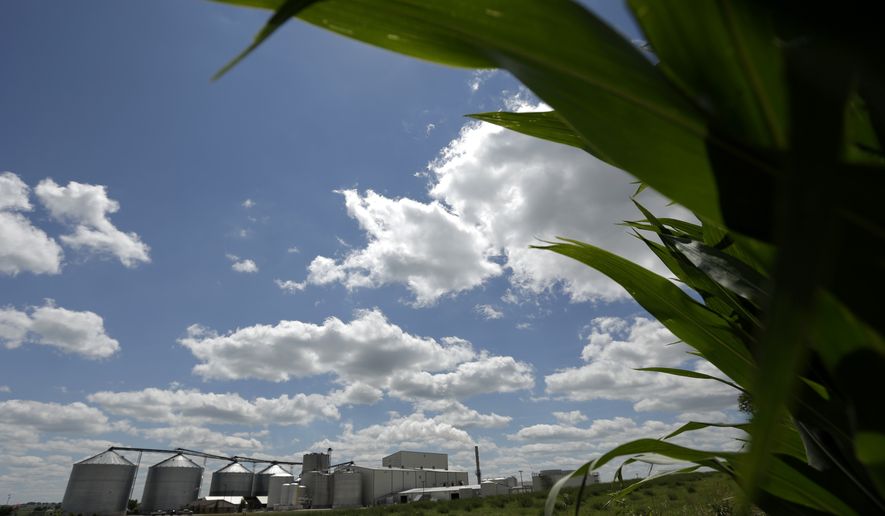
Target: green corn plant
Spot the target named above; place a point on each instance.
(767, 121)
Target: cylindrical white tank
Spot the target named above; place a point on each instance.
(297, 493)
(287, 498)
(275, 489)
(99, 485)
(263, 477)
(347, 489)
(171, 484)
(231, 480)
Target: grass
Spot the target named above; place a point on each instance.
(690, 494)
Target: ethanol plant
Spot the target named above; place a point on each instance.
(102, 485)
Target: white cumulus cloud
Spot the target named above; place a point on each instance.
(23, 246)
(243, 265)
(493, 194)
(87, 207)
(459, 415)
(57, 418)
(616, 347)
(369, 349)
(412, 432)
(572, 417)
(155, 405)
(81, 333)
(421, 245)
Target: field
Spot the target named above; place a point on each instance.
(691, 494)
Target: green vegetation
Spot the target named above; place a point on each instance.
(711, 494)
(767, 121)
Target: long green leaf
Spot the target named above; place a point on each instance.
(713, 460)
(281, 16)
(690, 321)
(697, 425)
(546, 125)
(598, 82)
(689, 374)
(636, 485)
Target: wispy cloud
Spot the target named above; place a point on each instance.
(488, 311)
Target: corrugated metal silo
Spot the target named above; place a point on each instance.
(319, 488)
(314, 462)
(171, 484)
(231, 480)
(99, 485)
(275, 492)
(347, 489)
(263, 477)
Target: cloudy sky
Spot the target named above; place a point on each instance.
(317, 251)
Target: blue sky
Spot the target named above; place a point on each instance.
(317, 250)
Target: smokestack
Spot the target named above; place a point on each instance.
(478, 474)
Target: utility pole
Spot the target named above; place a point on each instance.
(521, 485)
(478, 474)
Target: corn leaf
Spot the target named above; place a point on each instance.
(545, 125)
(690, 321)
(688, 374)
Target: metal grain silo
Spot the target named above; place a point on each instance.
(99, 485)
(171, 484)
(319, 488)
(263, 477)
(314, 462)
(231, 480)
(347, 489)
(275, 492)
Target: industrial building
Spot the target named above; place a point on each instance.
(413, 459)
(102, 485)
(544, 479)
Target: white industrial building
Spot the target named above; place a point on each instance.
(438, 493)
(414, 459)
(404, 471)
(544, 479)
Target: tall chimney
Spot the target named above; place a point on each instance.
(478, 474)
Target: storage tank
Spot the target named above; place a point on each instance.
(347, 489)
(318, 488)
(171, 484)
(231, 480)
(275, 494)
(295, 495)
(263, 477)
(99, 485)
(314, 462)
(287, 495)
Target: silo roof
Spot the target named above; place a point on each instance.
(177, 461)
(274, 469)
(107, 457)
(233, 467)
